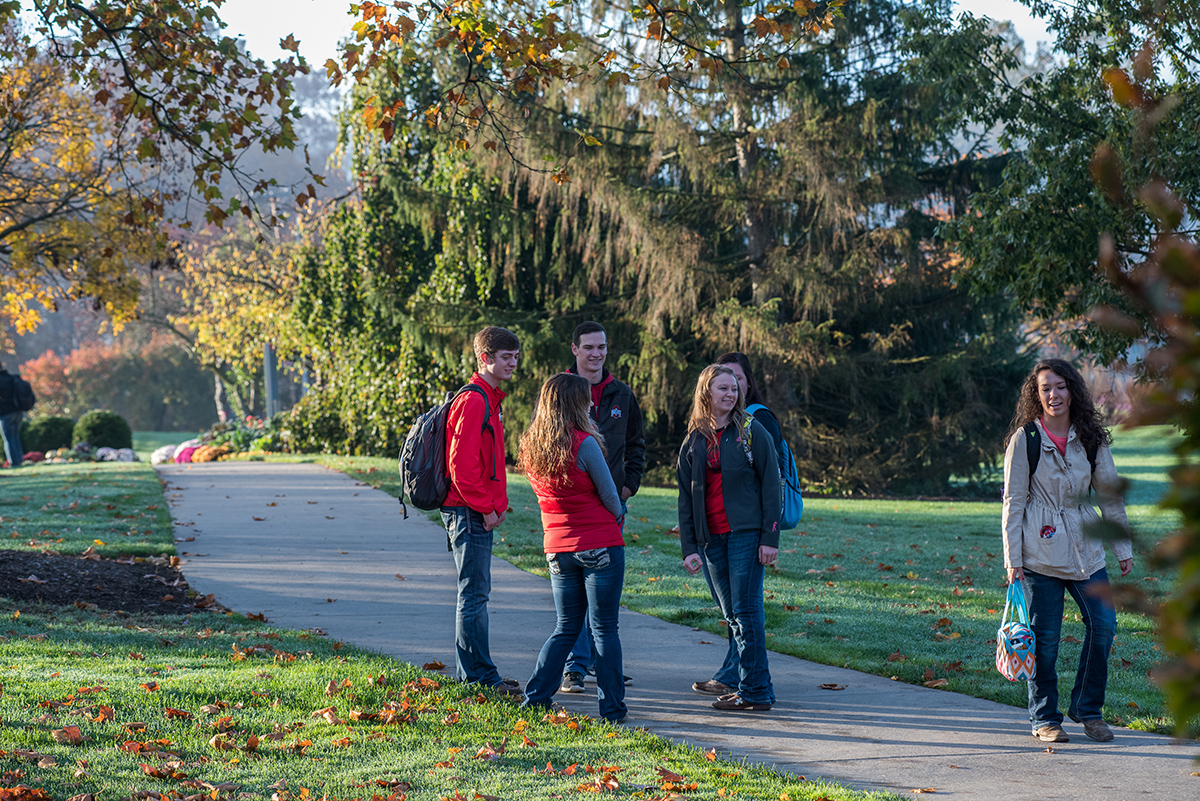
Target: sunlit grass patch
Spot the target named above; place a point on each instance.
(221, 707)
(116, 508)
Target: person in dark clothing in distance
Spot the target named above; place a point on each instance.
(10, 418)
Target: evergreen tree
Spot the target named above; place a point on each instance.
(781, 206)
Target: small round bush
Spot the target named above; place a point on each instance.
(46, 433)
(102, 429)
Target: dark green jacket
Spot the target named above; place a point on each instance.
(746, 505)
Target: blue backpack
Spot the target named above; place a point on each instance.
(789, 480)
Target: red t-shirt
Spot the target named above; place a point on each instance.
(714, 501)
(597, 394)
(1059, 442)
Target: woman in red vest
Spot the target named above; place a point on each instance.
(563, 455)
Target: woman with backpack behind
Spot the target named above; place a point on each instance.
(563, 455)
(725, 680)
(729, 505)
(1058, 451)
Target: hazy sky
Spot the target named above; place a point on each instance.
(319, 24)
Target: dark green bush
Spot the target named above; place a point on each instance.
(314, 425)
(102, 429)
(46, 433)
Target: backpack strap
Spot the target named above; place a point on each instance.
(487, 418)
(1033, 449)
(747, 443)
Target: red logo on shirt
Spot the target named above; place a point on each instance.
(1047, 532)
(616, 411)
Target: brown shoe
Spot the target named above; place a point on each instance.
(735, 703)
(1052, 734)
(713, 687)
(1098, 730)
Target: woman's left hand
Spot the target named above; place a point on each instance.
(1126, 566)
(767, 555)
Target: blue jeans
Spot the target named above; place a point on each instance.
(10, 429)
(728, 672)
(580, 661)
(1045, 595)
(587, 586)
(735, 577)
(471, 544)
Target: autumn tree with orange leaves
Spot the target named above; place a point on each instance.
(116, 116)
(507, 56)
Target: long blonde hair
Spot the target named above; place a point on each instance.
(562, 409)
(700, 420)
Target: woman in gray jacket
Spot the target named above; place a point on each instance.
(728, 526)
(1058, 453)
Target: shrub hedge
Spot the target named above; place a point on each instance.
(103, 429)
(46, 433)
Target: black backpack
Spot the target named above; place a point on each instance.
(423, 475)
(23, 394)
(1033, 450)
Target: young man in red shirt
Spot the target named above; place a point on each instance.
(620, 422)
(478, 501)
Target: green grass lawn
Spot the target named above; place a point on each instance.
(114, 507)
(912, 589)
(220, 707)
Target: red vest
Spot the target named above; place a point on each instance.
(573, 518)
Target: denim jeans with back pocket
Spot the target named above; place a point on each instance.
(587, 586)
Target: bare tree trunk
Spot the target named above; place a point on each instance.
(224, 413)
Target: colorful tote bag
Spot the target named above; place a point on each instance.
(1014, 639)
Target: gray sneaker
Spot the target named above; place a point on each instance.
(572, 683)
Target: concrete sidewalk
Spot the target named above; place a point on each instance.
(325, 536)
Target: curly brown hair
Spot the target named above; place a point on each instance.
(562, 409)
(1089, 427)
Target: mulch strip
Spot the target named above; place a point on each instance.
(143, 585)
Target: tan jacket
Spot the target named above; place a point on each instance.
(1044, 531)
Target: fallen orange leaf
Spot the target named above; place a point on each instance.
(68, 736)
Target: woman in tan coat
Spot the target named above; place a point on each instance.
(1059, 453)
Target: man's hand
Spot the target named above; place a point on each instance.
(626, 493)
(692, 564)
(491, 520)
(767, 555)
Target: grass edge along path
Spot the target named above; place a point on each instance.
(221, 707)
